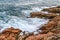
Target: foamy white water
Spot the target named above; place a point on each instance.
(30, 24)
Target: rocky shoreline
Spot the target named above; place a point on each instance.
(50, 31)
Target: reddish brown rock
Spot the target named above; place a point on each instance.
(57, 18)
(35, 14)
(53, 9)
(2, 37)
(11, 38)
(10, 34)
(40, 15)
(12, 30)
(39, 36)
(49, 26)
(31, 38)
(52, 23)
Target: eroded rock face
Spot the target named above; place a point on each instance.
(39, 36)
(10, 34)
(41, 15)
(53, 24)
(12, 30)
(53, 9)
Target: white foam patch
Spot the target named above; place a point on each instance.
(30, 24)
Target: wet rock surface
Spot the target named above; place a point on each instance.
(41, 15)
(53, 9)
(49, 31)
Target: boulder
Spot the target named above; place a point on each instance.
(10, 34)
(12, 30)
(41, 15)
